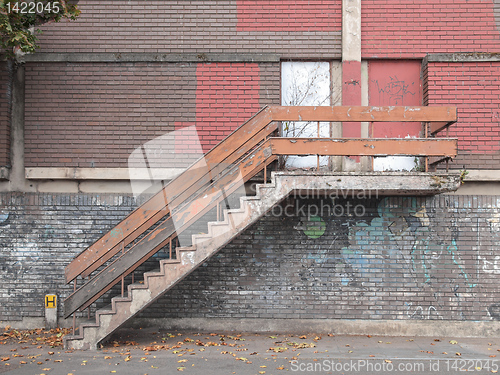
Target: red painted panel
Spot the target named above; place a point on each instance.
(411, 29)
(227, 95)
(395, 83)
(473, 88)
(351, 94)
(289, 15)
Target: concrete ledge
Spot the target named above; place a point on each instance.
(41, 173)
(378, 183)
(4, 173)
(462, 57)
(149, 57)
(482, 175)
(431, 328)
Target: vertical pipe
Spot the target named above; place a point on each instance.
(426, 134)
(317, 156)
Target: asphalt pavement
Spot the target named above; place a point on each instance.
(149, 351)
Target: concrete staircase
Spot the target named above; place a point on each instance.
(235, 221)
(172, 271)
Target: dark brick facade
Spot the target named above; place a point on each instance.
(305, 30)
(364, 258)
(4, 115)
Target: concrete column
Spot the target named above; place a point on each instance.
(17, 180)
(351, 72)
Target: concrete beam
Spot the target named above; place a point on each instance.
(462, 57)
(61, 173)
(482, 175)
(150, 57)
(374, 183)
(4, 173)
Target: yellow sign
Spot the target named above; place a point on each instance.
(50, 301)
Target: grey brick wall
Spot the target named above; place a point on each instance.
(371, 258)
(404, 258)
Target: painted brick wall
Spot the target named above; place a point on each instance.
(198, 26)
(95, 115)
(473, 89)
(227, 94)
(411, 29)
(289, 15)
(4, 115)
(356, 258)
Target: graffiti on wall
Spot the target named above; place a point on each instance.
(400, 244)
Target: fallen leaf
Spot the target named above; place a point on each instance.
(303, 337)
(108, 357)
(457, 353)
(453, 342)
(127, 359)
(182, 361)
(181, 368)
(280, 368)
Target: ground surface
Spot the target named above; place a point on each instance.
(149, 351)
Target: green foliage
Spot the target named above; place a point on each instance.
(19, 18)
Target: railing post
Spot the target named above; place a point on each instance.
(426, 135)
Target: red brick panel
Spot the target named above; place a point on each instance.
(95, 115)
(307, 29)
(227, 94)
(4, 116)
(408, 28)
(472, 87)
(289, 15)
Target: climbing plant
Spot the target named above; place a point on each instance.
(19, 21)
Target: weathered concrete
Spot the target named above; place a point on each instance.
(323, 326)
(17, 182)
(150, 57)
(462, 57)
(62, 173)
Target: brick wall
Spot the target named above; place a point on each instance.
(404, 258)
(227, 94)
(95, 115)
(4, 115)
(411, 29)
(473, 88)
(363, 258)
(298, 29)
(39, 235)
